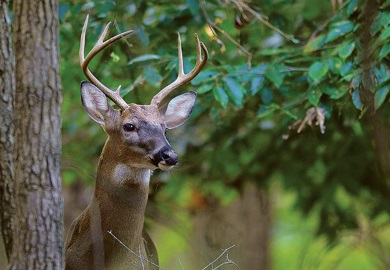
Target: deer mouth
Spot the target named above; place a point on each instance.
(165, 158)
(163, 164)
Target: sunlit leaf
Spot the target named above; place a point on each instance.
(335, 64)
(339, 29)
(315, 44)
(346, 50)
(318, 70)
(313, 95)
(384, 51)
(114, 57)
(384, 18)
(385, 34)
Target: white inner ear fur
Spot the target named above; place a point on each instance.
(179, 109)
(124, 173)
(94, 102)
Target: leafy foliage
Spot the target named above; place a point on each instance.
(259, 83)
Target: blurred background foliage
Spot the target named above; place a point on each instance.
(293, 99)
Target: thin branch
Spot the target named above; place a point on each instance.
(213, 26)
(223, 253)
(241, 5)
(142, 258)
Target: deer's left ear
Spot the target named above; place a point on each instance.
(178, 110)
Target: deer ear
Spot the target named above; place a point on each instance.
(178, 110)
(95, 102)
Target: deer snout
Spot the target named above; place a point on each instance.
(165, 158)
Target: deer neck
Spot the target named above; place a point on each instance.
(121, 195)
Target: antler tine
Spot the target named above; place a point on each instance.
(99, 46)
(183, 78)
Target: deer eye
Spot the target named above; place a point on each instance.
(128, 127)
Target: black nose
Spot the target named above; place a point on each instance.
(166, 154)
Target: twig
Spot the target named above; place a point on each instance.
(213, 26)
(181, 265)
(225, 251)
(241, 5)
(142, 258)
(228, 262)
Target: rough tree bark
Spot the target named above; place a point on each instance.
(7, 90)
(35, 146)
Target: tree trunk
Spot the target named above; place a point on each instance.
(7, 90)
(245, 224)
(37, 238)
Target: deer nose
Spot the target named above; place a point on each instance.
(166, 155)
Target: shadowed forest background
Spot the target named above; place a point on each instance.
(285, 160)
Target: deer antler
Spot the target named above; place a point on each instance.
(99, 46)
(181, 77)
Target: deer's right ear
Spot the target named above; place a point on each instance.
(95, 102)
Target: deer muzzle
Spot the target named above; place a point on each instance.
(165, 158)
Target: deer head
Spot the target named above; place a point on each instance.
(139, 130)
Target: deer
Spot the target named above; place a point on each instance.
(110, 233)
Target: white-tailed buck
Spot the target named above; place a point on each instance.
(136, 145)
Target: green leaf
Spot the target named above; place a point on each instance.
(143, 58)
(115, 58)
(384, 51)
(346, 50)
(356, 99)
(352, 6)
(235, 91)
(315, 44)
(335, 65)
(333, 92)
(152, 76)
(266, 95)
(346, 68)
(339, 29)
(384, 18)
(380, 95)
(273, 74)
(256, 84)
(221, 96)
(193, 6)
(265, 111)
(385, 34)
(204, 88)
(313, 95)
(204, 76)
(318, 70)
(381, 74)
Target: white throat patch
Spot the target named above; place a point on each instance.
(124, 173)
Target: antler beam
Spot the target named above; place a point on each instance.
(99, 46)
(183, 78)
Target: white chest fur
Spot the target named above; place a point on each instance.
(125, 173)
